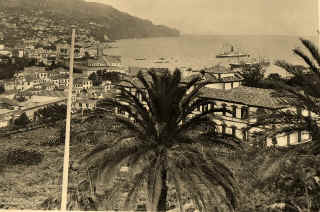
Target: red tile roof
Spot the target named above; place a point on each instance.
(244, 95)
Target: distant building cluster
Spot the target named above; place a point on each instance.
(225, 90)
(47, 43)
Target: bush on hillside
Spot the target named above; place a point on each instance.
(24, 157)
(22, 121)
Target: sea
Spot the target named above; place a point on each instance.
(199, 51)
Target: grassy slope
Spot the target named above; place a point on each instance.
(26, 187)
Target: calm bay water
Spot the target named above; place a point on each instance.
(200, 51)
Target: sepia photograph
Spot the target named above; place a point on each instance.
(178, 106)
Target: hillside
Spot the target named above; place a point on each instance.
(105, 19)
(36, 186)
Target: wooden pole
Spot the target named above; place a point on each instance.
(318, 28)
(67, 137)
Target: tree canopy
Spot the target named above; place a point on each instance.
(302, 94)
(163, 141)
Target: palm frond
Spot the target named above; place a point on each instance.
(312, 49)
(136, 184)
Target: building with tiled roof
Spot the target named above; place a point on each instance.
(112, 60)
(99, 62)
(244, 103)
(83, 83)
(85, 104)
(30, 107)
(219, 77)
(249, 96)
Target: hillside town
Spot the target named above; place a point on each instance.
(97, 74)
(223, 137)
(45, 79)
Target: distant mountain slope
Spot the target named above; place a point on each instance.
(116, 24)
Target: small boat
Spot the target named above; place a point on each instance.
(232, 53)
(162, 58)
(140, 58)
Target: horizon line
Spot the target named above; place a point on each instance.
(242, 34)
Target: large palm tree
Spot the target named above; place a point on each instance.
(302, 92)
(164, 143)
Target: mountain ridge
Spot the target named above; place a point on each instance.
(114, 23)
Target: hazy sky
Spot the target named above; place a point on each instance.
(277, 17)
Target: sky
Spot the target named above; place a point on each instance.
(261, 17)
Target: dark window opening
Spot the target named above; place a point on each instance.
(299, 136)
(223, 129)
(224, 107)
(234, 111)
(274, 140)
(234, 129)
(244, 113)
(244, 135)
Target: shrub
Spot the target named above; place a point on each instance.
(24, 157)
(22, 121)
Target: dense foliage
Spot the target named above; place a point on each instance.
(114, 77)
(95, 81)
(272, 177)
(22, 120)
(165, 144)
(52, 113)
(301, 93)
(24, 157)
(252, 75)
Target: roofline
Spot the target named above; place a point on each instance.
(249, 105)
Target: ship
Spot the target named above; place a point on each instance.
(232, 53)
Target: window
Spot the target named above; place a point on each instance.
(224, 107)
(274, 140)
(205, 108)
(244, 113)
(199, 108)
(234, 129)
(260, 114)
(212, 105)
(234, 111)
(223, 129)
(244, 135)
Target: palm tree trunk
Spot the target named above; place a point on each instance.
(164, 191)
(179, 195)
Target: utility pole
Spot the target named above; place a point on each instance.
(318, 30)
(67, 136)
